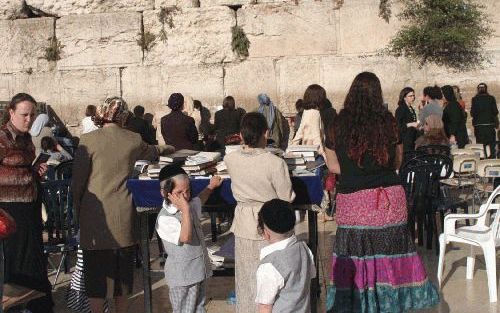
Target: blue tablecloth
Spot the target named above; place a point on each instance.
(146, 193)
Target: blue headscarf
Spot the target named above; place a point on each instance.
(264, 101)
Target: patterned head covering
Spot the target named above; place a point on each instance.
(114, 110)
(264, 102)
(176, 101)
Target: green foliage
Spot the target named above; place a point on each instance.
(448, 33)
(146, 40)
(53, 51)
(240, 43)
(166, 17)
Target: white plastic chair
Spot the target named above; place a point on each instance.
(484, 234)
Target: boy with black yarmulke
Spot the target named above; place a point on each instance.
(287, 266)
(187, 266)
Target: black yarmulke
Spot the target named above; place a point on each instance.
(277, 216)
(170, 171)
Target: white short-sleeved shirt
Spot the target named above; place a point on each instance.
(269, 280)
(169, 227)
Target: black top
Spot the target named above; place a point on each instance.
(140, 126)
(454, 119)
(370, 175)
(227, 122)
(327, 116)
(179, 130)
(407, 135)
(484, 110)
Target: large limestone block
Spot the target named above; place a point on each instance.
(24, 43)
(198, 36)
(71, 7)
(69, 92)
(208, 3)
(204, 83)
(289, 29)
(143, 85)
(394, 74)
(177, 3)
(492, 9)
(5, 86)
(99, 40)
(295, 74)
(9, 9)
(362, 30)
(244, 81)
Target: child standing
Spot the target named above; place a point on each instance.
(187, 266)
(286, 267)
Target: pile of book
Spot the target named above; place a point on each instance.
(202, 163)
(179, 156)
(153, 172)
(222, 170)
(301, 159)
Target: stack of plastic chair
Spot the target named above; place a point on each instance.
(464, 175)
(483, 234)
(487, 171)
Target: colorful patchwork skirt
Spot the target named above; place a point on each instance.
(375, 265)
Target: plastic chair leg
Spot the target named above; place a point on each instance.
(442, 250)
(59, 268)
(471, 260)
(491, 270)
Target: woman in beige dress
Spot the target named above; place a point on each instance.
(257, 176)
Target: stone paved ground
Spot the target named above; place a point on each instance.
(459, 295)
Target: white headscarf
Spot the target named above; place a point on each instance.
(39, 123)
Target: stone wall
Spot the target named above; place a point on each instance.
(293, 43)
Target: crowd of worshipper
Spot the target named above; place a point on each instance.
(362, 145)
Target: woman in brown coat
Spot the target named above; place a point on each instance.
(25, 265)
(103, 162)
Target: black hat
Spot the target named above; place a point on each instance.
(170, 171)
(175, 101)
(277, 216)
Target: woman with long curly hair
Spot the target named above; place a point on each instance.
(375, 265)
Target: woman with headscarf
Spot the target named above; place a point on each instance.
(454, 118)
(104, 160)
(278, 127)
(177, 128)
(25, 264)
(484, 114)
(40, 129)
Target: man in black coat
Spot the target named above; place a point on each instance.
(484, 114)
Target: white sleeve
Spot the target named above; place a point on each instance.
(168, 228)
(269, 283)
(196, 206)
(313, 266)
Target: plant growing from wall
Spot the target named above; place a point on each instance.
(166, 17)
(146, 40)
(240, 43)
(53, 51)
(384, 10)
(448, 33)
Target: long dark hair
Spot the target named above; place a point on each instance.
(314, 97)
(449, 94)
(364, 125)
(403, 94)
(482, 89)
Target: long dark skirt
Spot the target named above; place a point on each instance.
(25, 263)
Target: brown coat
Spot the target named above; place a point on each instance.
(103, 162)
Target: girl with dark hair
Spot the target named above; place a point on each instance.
(311, 131)
(407, 119)
(88, 124)
(454, 118)
(375, 265)
(257, 176)
(25, 264)
(484, 114)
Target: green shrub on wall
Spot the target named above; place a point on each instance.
(240, 43)
(53, 51)
(448, 33)
(146, 40)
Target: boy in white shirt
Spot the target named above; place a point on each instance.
(187, 266)
(286, 267)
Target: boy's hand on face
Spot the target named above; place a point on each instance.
(179, 202)
(215, 182)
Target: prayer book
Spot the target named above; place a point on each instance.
(303, 148)
(202, 157)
